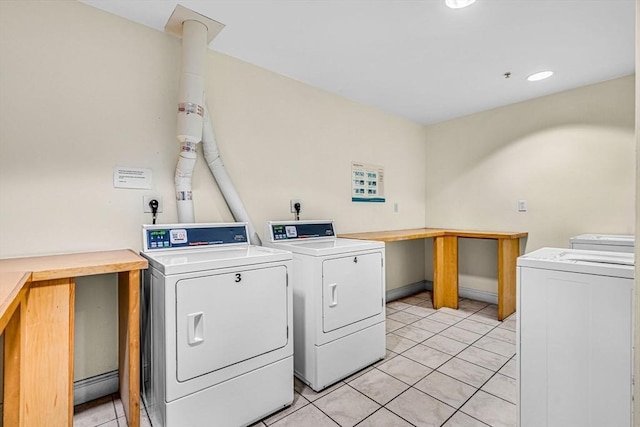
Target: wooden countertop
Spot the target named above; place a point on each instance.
(396, 235)
(486, 234)
(51, 267)
(16, 273)
(13, 287)
(423, 233)
(46, 285)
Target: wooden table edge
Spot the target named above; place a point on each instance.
(19, 286)
(425, 233)
(60, 266)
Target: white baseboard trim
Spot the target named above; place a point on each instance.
(474, 294)
(95, 387)
(477, 295)
(405, 291)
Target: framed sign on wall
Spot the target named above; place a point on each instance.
(367, 183)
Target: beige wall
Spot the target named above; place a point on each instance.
(569, 155)
(83, 91)
(636, 309)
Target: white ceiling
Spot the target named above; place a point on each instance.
(418, 58)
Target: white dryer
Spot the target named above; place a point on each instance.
(216, 321)
(338, 300)
(574, 338)
(604, 242)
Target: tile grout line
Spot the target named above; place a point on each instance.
(483, 384)
(432, 370)
(467, 345)
(453, 356)
(488, 379)
(378, 410)
(494, 372)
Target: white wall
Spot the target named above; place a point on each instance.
(83, 91)
(569, 155)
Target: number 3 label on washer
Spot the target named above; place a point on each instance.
(238, 277)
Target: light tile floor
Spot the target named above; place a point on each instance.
(452, 368)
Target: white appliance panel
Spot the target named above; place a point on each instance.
(333, 243)
(604, 242)
(322, 244)
(574, 348)
(328, 246)
(240, 401)
(215, 316)
(189, 261)
(222, 320)
(347, 355)
(602, 247)
(338, 305)
(601, 263)
(351, 289)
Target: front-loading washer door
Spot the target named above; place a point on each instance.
(227, 318)
(351, 289)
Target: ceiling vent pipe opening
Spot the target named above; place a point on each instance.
(197, 31)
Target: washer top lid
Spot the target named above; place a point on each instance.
(328, 247)
(187, 261)
(609, 239)
(314, 238)
(581, 261)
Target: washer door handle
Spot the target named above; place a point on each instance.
(195, 325)
(334, 294)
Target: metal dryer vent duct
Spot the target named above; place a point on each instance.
(197, 31)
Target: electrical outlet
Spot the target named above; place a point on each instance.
(522, 205)
(145, 203)
(293, 203)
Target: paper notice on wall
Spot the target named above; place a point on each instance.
(367, 183)
(132, 178)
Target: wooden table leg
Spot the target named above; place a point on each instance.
(47, 382)
(508, 252)
(14, 341)
(129, 340)
(445, 272)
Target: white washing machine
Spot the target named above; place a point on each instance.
(338, 300)
(574, 335)
(604, 242)
(216, 326)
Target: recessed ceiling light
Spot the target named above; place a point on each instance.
(458, 4)
(540, 76)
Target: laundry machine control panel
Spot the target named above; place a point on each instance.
(295, 230)
(180, 236)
